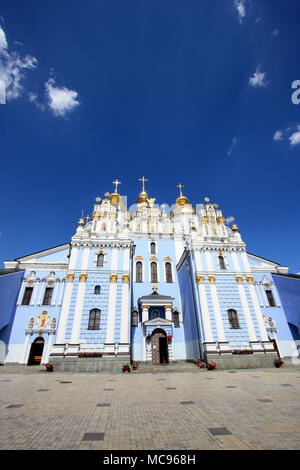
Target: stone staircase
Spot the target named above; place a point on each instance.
(16, 368)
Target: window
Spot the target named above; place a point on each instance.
(48, 296)
(168, 268)
(139, 271)
(152, 248)
(176, 319)
(27, 295)
(153, 272)
(135, 318)
(155, 314)
(94, 319)
(233, 319)
(221, 262)
(100, 260)
(270, 298)
(97, 290)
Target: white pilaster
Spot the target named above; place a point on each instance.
(49, 344)
(78, 311)
(217, 312)
(25, 353)
(208, 260)
(258, 312)
(111, 311)
(61, 330)
(21, 293)
(41, 293)
(207, 331)
(247, 313)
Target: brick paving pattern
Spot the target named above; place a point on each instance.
(151, 411)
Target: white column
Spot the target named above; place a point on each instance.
(78, 309)
(198, 261)
(258, 294)
(208, 260)
(111, 310)
(73, 258)
(274, 290)
(235, 261)
(246, 262)
(207, 331)
(168, 312)
(21, 293)
(217, 310)
(41, 293)
(62, 287)
(110, 332)
(25, 353)
(61, 330)
(54, 293)
(49, 344)
(145, 313)
(124, 335)
(247, 313)
(35, 289)
(258, 312)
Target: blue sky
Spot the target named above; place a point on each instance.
(197, 92)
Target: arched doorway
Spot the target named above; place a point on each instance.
(160, 353)
(36, 351)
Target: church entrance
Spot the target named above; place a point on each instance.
(36, 352)
(160, 353)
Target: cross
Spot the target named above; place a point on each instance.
(116, 183)
(87, 218)
(143, 181)
(180, 186)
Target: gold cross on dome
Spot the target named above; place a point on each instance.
(116, 183)
(180, 186)
(87, 218)
(143, 181)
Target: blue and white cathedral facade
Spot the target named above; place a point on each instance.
(149, 286)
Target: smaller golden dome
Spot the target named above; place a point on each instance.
(182, 200)
(143, 197)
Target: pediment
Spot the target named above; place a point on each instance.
(158, 321)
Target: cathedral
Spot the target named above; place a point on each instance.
(149, 284)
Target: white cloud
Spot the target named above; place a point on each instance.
(12, 68)
(295, 137)
(275, 32)
(60, 100)
(241, 9)
(258, 79)
(278, 135)
(233, 146)
(3, 42)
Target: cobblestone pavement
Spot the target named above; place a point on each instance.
(243, 409)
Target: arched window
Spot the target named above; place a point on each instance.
(233, 319)
(94, 319)
(135, 318)
(97, 290)
(153, 272)
(168, 268)
(270, 297)
(176, 319)
(155, 314)
(139, 271)
(100, 260)
(152, 248)
(222, 262)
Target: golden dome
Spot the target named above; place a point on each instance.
(143, 197)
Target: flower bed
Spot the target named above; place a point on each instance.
(91, 354)
(242, 351)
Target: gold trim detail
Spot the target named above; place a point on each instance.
(70, 277)
(239, 279)
(126, 278)
(250, 279)
(168, 258)
(168, 306)
(113, 277)
(200, 279)
(211, 279)
(83, 277)
(145, 306)
(205, 220)
(139, 257)
(221, 220)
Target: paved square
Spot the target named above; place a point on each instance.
(261, 412)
